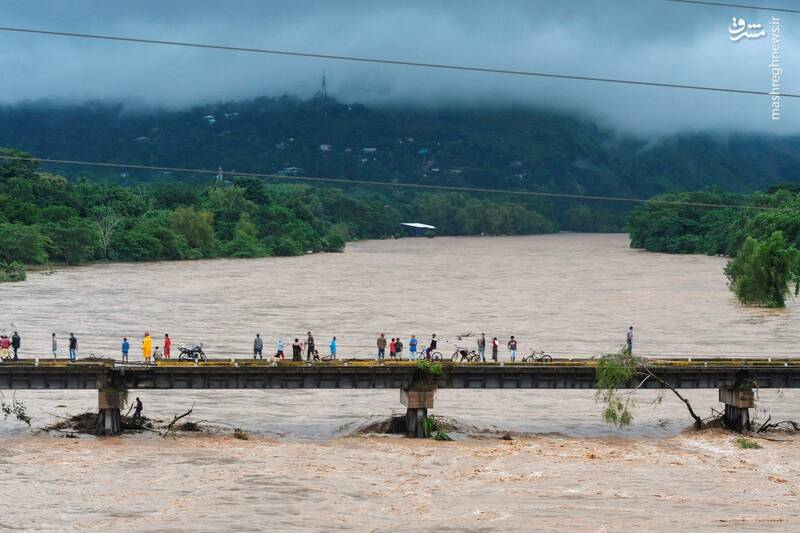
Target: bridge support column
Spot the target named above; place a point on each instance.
(738, 402)
(417, 404)
(110, 421)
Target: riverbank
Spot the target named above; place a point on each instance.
(146, 483)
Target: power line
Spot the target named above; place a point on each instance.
(722, 4)
(345, 181)
(407, 63)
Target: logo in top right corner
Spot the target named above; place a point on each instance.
(739, 29)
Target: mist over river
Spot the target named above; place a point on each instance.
(307, 466)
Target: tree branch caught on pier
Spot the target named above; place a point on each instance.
(170, 427)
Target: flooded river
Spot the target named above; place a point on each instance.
(307, 466)
(569, 294)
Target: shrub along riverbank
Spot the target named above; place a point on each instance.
(760, 232)
(47, 218)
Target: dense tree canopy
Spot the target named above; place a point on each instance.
(761, 272)
(49, 218)
(761, 232)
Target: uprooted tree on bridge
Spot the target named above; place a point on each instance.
(620, 369)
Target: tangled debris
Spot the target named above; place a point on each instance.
(87, 423)
(191, 427)
(438, 427)
(789, 426)
(393, 425)
(170, 429)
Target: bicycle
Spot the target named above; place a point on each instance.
(431, 355)
(462, 355)
(538, 357)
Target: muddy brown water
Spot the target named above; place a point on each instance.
(307, 467)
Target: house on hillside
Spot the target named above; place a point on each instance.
(289, 171)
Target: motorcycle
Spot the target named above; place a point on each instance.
(191, 354)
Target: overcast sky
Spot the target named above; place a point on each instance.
(652, 40)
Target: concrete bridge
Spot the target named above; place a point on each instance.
(735, 379)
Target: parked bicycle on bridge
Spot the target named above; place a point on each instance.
(462, 355)
(537, 357)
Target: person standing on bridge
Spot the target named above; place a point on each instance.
(5, 344)
(126, 346)
(167, 345)
(279, 347)
(495, 348)
(482, 347)
(398, 348)
(258, 346)
(54, 343)
(297, 350)
(629, 340)
(392, 349)
(73, 347)
(512, 348)
(381, 347)
(333, 348)
(412, 348)
(147, 347)
(15, 344)
(310, 346)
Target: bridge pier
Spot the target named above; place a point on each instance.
(109, 421)
(417, 404)
(738, 402)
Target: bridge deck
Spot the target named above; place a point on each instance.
(368, 374)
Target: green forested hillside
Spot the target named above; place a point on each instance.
(502, 148)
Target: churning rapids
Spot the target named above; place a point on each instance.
(307, 466)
